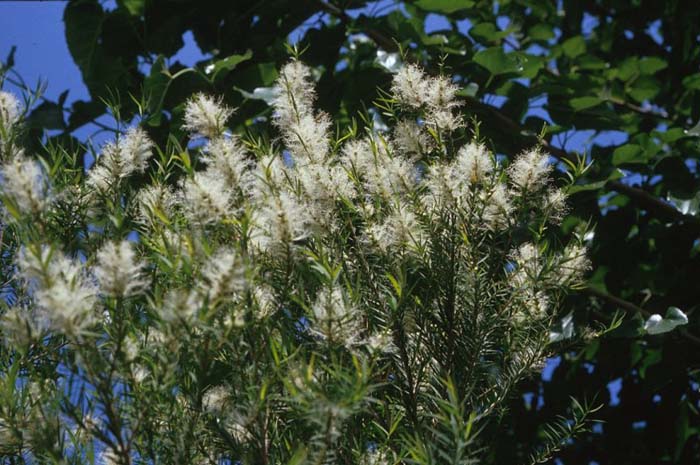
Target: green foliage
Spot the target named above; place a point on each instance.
(628, 67)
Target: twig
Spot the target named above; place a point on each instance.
(629, 306)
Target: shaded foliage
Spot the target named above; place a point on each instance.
(621, 75)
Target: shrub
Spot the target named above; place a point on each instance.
(372, 295)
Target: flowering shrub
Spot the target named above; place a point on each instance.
(334, 296)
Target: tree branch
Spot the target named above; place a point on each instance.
(630, 307)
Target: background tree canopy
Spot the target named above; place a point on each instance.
(619, 79)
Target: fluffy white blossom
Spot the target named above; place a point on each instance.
(206, 116)
(441, 93)
(155, 201)
(335, 318)
(410, 138)
(223, 276)
(121, 159)
(118, 271)
(529, 265)
(443, 188)
(294, 94)
(264, 299)
(473, 163)
(214, 399)
(572, 264)
(400, 230)
(436, 96)
(9, 113)
(380, 173)
(270, 175)
(64, 294)
(555, 205)
(24, 183)
(227, 156)
(498, 208)
(304, 131)
(206, 197)
(278, 221)
(530, 170)
(410, 86)
(308, 138)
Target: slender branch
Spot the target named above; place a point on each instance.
(383, 41)
(629, 306)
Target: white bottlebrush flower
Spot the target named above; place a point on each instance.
(206, 197)
(308, 138)
(443, 120)
(278, 221)
(17, 326)
(410, 139)
(381, 173)
(121, 159)
(179, 305)
(118, 272)
(572, 264)
(214, 399)
(270, 175)
(498, 209)
(410, 86)
(555, 205)
(335, 319)
(443, 189)
(377, 457)
(535, 304)
(228, 157)
(381, 342)
(304, 131)
(223, 276)
(294, 94)
(9, 113)
(324, 184)
(155, 201)
(400, 230)
(530, 170)
(64, 295)
(206, 116)
(24, 184)
(264, 299)
(473, 163)
(441, 94)
(528, 265)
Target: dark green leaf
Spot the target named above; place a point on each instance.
(48, 115)
(224, 66)
(444, 6)
(692, 81)
(497, 61)
(628, 153)
(651, 65)
(574, 47)
(541, 31)
(487, 32)
(583, 103)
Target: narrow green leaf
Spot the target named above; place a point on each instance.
(224, 66)
(583, 103)
(444, 6)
